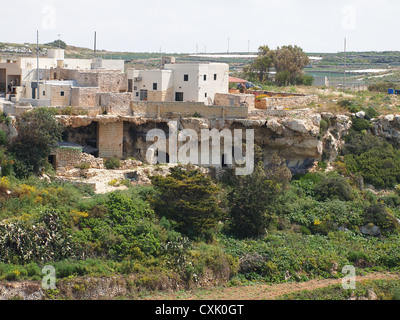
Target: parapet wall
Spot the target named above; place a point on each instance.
(187, 109)
(115, 103)
(286, 102)
(105, 80)
(236, 100)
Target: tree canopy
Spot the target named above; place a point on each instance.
(287, 61)
(188, 197)
(38, 132)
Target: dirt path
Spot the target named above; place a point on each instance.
(263, 292)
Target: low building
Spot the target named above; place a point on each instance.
(18, 78)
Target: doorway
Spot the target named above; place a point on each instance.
(179, 96)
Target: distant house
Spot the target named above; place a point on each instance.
(18, 78)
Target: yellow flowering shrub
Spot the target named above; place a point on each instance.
(25, 191)
(317, 222)
(4, 184)
(75, 216)
(114, 183)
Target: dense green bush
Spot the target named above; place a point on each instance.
(309, 257)
(112, 163)
(378, 215)
(188, 197)
(124, 227)
(3, 138)
(361, 124)
(334, 187)
(379, 166)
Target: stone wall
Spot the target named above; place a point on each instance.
(286, 102)
(186, 109)
(110, 139)
(234, 100)
(11, 109)
(115, 103)
(67, 158)
(84, 96)
(57, 99)
(167, 95)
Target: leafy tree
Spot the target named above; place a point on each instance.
(57, 44)
(261, 66)
(289, 63)
(38, 132)
(189, 198)
(249, 200)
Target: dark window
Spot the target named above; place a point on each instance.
(205, 77)
(62, 93)
(206, 95)
(44, 93)
(179, 96)
(137, 94)
(215, 76)
(130, 85)
(143, 95)
(154, 86)
(186, 77)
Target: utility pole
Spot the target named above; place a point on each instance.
(248, 46)
(344, 74)
(37, 69)
(95, 43)
(229, 40)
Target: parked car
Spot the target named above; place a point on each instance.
(249, 85)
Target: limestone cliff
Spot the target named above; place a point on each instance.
(294, 135)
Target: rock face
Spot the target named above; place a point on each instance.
(388, 128)
(333, 138)
(294, 135)
(371, 230)
(22, 290)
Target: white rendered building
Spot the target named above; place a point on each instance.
(182, 82)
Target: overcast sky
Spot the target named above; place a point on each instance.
(181, 26)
